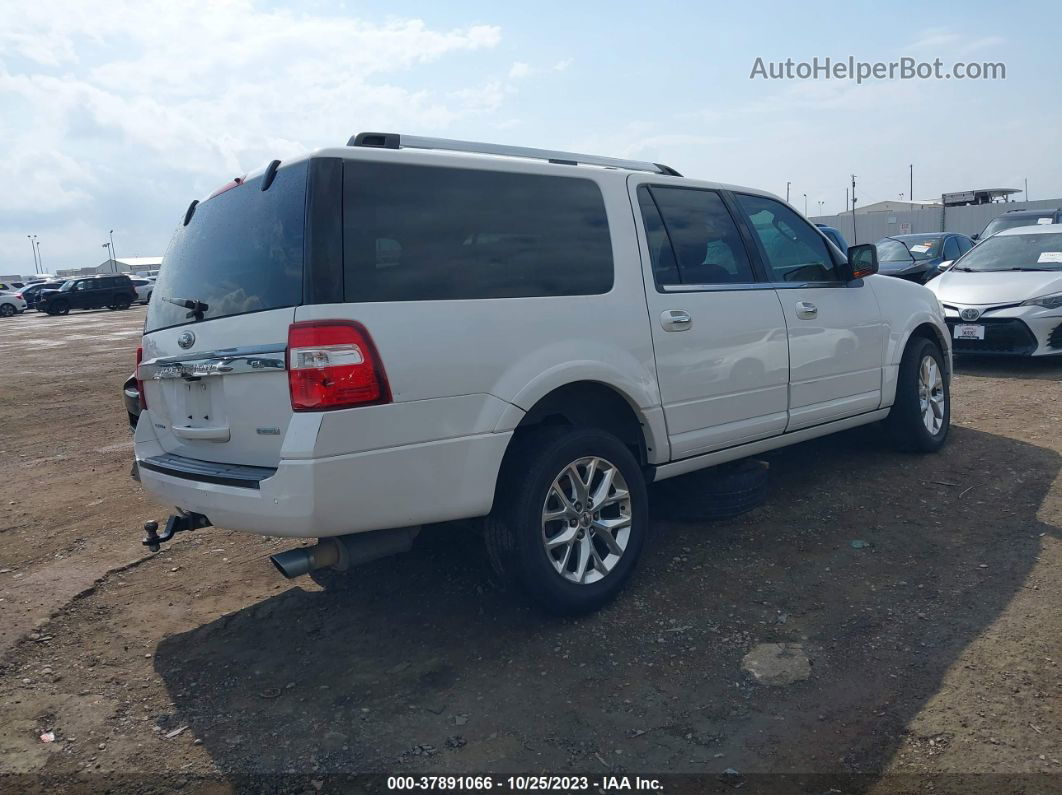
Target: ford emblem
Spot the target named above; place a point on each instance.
(970, 314)
(186, 340)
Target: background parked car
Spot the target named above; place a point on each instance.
(919, 258)
(11, 304)
(143, 289)
(31, 293)
(835, 236)
(1015, 218)
(1005, 296)
(91, 292)
(10, 287)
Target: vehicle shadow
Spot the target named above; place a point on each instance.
(1047, 368)
(423, 665)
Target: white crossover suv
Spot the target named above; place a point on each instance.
(366, 339)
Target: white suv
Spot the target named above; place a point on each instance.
(407, 330)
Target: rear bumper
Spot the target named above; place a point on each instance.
(375, 490)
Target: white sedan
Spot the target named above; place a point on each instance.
(143, 289)
(1004, 296)
(11, 304)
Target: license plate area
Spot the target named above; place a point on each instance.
(969, 331)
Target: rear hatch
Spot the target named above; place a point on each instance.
(217, 323)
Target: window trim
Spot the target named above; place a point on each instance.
(759, 280)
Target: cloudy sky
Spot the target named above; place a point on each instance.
(115, 115)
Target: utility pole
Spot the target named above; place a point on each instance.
(111, 236)
(787, 192)
(805, 205)
(1026, 190)
(846, 199)
(855, 235)
(910, 192)
(40, 259)
(33, 247)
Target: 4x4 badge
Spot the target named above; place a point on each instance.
(186, 340)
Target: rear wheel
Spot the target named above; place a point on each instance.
(122, 302)
(921, 413)
(60, 307)
(570, 518)
(7, 310)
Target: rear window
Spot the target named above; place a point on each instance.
(420, 233)
(241, 252)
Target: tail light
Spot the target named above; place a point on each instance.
(333, 364)
(19, 297)
(139, 382)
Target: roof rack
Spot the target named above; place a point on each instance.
(396, 141)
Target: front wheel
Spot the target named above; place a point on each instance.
(7, 310)
(59, 308)
(570, 518)
(921, 413)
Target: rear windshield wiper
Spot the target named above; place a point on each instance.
(196, 307)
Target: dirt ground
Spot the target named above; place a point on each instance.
(935, 643)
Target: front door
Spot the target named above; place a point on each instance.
(836, 334)
(718, 333)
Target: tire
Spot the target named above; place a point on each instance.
(122, 302)
(910, 419)
(587, 571)
(721, 492)
(60, 307)
(7, 310)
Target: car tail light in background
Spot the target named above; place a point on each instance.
(19, 297)
(139, 382)
(333, 364)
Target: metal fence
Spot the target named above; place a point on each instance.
(967, 220)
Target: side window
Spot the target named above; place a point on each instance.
(965, 244)
(951, 249)
(665, 269)
(426, 233)
(706, 244)
(793, 251)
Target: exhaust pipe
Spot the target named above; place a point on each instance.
(344, 552)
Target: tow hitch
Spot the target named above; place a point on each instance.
(182, 520)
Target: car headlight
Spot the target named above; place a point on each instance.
(1051, 301)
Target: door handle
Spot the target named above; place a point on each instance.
(675, 320)
(806, 310)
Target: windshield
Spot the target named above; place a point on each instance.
(1014, 221)
(241, 252)
(1032, 252)
(892, 251)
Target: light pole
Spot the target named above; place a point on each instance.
(110, 255)
(33, 247)
(111, 236)
(910, 192)
(787, 192)
(805, 205)
(820, 207)
(40, 259)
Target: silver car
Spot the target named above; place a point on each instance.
(1004, 297)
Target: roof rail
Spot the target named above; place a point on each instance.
(396, 141)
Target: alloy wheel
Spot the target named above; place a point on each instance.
(931, 394)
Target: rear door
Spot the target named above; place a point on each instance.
(214, 347)
(836, 334)
(718, 332)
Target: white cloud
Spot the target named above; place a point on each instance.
(100, 97)
(562, 66)
(519, 69)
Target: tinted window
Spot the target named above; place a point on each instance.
(241, 252)
(951, 249)
(965, 244)
(1009, 221)
(662, 256)
(417, 233)
(793, 250)
(706, 243)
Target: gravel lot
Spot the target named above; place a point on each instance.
(934, 641)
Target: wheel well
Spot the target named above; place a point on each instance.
(590, 404)
(932, 333)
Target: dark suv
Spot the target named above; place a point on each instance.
(114, 291)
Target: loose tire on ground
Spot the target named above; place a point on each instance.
(721, 492)
(569, 548)
(921, 413)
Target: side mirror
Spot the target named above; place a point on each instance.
(863, 260)
(945, 265)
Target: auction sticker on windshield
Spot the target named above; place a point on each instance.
(1050, 256)
(968, 331)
